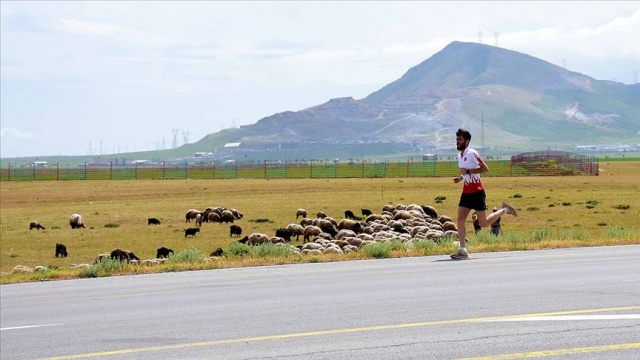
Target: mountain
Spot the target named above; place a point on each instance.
(508, 100)
(516, 100)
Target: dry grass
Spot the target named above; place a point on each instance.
(554, 212)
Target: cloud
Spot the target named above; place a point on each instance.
(16, 133)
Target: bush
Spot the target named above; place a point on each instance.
(517, 196)
(111, 225)
(383, 250)
(566, 203)
(237, 249)
(191, 255)
(540, 235)
(270, 250)
(425, 247)
(533, 208)
(440, 198)
(617, 233)
(622, 206)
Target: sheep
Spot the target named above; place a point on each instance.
(350, 215)
(191, 214)
(430, 210)
(199, 220)
(163, 252)
(213, 217)
(101, 257)
(226, 217)
(449, 225)
(321, 215)
(35, 225)
(235, 230)
(306, 222)
(310, 231)
(122, 255)
(61, 250)
(349, 224)
(301, 212)
(237, 214)
(444, 218)
(191, 232)
(286, 234)
(296, 229)
(217, 252)
(75, 221)
(153, 221)
(365, 212)
(258, 239)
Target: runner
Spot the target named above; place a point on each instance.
(473, 196)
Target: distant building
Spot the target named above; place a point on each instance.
(429, 157)
(39, 164)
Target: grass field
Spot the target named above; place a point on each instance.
(554, 212)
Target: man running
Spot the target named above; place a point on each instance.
(473, 196)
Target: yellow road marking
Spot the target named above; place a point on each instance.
(537, 354)
(335, 332)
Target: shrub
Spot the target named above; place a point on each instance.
(440, 197)
(593, 202)
(425, 247)
(238, 249)
(533, 208)
(271, 250)
(574, 234)
(261, 220)
(111, 225)
(552, 205)
(379, 250)
(540, 235)
(622, 206)
(617, 232)
(602, 223)
(566, 203)
(517, 196)
(191, 255)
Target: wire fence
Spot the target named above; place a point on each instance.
(269, 170)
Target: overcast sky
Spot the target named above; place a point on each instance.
(108, 77)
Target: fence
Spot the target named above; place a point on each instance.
(266, 170)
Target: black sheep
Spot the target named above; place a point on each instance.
(35, 225)
(163, 252)
(61, 250)
(350, 215)
(218, 252)
(235, 230)
(191, 232)
(286, 234)
(365, 212)
(153, 221)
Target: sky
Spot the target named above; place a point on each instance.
(98, 78)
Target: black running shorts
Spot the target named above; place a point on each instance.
(475, 201)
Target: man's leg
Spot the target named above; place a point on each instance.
(463, 212)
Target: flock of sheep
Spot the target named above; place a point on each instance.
(322, 234)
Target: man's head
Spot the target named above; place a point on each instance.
(463, 137)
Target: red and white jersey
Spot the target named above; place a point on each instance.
(470, 159)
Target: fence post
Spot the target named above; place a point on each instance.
(163, 170)
(58, 171)
(407, 168)
(265, 170)
(9, 172)
(186, 169)
(34, 172)
(135, 171)
(311, 170)
(110, 170)
(85, 171)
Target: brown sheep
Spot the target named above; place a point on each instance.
(301, 212)
(191, 214)
(352, 225)
(258, 239)
(310, 231)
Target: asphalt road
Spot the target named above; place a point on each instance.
(563, 304)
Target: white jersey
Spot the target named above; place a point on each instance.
(470, 159)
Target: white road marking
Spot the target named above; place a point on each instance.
(27, 327)
(573, 318)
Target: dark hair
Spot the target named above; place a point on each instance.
(464, 133)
